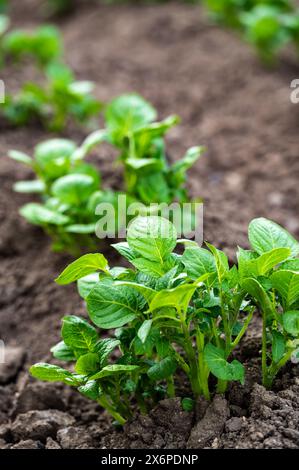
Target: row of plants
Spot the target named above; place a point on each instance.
(171, 314)
(71, 190)
(59, 98)
(268, 25)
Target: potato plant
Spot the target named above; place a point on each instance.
(59, 99)
(131, 127)
(267, 25)
(171, 312)
(70, 190)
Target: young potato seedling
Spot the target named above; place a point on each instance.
(267, 25)
(131, 127)
(70, 190)
(172, 312)
(59, 99)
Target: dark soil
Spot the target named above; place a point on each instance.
(242, 112)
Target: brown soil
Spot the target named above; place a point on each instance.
(241, 111)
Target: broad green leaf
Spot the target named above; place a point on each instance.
(151, 268)
(87, 364)
(269, 260)
(83, 266)
(148, 164)
(291, 322)
(83, 87)
(287, 284)
(53, 156)
(163, 369)
(198, 261)
(90, 389)
(112, 306)
(290, 265)
(147, 292)
(219, 366)
(114, 369)
(78, 334)
(34, 186)
(51, 373)
(264, 235)
(278, 346)
(86, 284)
(20, 157)
(38, 214)
(74, 188)
(63, 352)
(104, 348)
(124, 249)
(179, 297)
(261, 265)
(153, 237)
(254, 288)
(144, 330)
(126, 114)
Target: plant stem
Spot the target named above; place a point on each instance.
(106, 405)
(275, 368)
(202, 368)
(170, 387)
(264, 353)
(221, 386)
(242, 332)
(193, 372)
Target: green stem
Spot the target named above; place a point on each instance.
(202, 368)
(221, 386)
(106, 405)
(242, 332)
(193, 372)
(275, 368)
(170, 387)
(264, 353)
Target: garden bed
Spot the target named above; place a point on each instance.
(242, 112)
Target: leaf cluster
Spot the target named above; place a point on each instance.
(185, 312)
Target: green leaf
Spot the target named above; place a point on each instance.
(104, 348)
(90, 389)
(86, 284)
(221, 261)
(198, 261)
(153, 237)
(78, 334)
(74, 188)
(34, 186)
(83, 266)
(38, 214)
(63, 352)
(124, 249)
(144, 330)
(269, 260)
(151, 268)
(87, 364)
(51, 373)
(179, 297)
(112, 306)
(287, 284)
(188, 404)
(53, 156)
(223, 370)
(188, 160)
(20, 157)
(291, 322)
(127, 113)
(114, 369)
(254, 288)
(163, 369)
(278, 346)
(147, 292)
(81, 228)
(264, 235)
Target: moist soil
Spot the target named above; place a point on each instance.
(238, 109)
